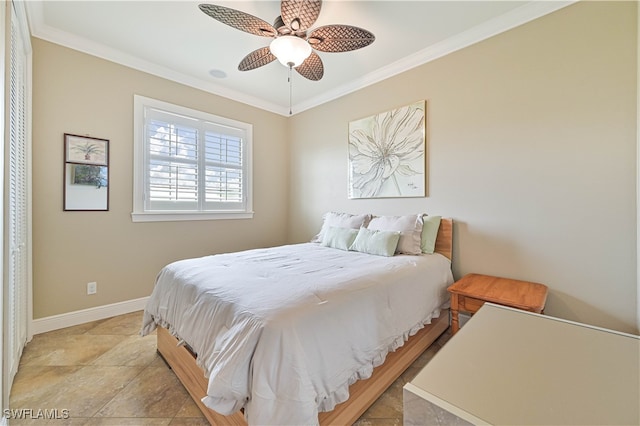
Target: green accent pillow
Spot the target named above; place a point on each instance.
(381, 243)
(340, 238)
(430, 227)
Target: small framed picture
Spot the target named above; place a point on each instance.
(86, 173)
(86, 150)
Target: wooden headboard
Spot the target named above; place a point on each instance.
(444, 240)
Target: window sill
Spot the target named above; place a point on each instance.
(176, 217)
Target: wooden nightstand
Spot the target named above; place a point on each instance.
(471, 292)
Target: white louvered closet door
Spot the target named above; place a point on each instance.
(16, 250)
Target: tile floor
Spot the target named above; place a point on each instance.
(104, 373)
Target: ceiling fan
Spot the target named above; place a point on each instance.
(293, 43)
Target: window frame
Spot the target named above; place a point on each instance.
(141, 154)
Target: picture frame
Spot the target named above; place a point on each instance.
(86, 173)
(387, 154)
(86, 150)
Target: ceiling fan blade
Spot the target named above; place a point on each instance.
(239, 20)
(339, 38)
(312, 68)
(256, 59)
(300, 14)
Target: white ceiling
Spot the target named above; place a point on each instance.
(175, 40)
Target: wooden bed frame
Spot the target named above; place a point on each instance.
(362, 394)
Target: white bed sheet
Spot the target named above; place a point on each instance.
(284, 331)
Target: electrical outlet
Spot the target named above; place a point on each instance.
(92, 288)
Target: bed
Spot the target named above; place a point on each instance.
(341, 327)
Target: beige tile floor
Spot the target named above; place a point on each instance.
(104, 373)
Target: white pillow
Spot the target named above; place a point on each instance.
(410, 228)
(341, 220)
(381, 243)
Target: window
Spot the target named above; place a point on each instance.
(189, 165)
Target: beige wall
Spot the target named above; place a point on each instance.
(77, 93)
(531, 149)
(531, 146)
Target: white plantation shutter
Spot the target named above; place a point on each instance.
(172, 163)
(16, 263)
(223, 167)
(194, 164)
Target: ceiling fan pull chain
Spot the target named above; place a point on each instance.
(290, 88)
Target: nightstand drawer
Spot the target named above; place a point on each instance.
(471, 292)
(469, 304)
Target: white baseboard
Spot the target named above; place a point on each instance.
(56, 322)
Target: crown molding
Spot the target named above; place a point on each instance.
(495, 26)
(500, 24)
(42, 31)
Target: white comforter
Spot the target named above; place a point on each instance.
(284, 331)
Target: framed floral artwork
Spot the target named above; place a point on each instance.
(387, 154)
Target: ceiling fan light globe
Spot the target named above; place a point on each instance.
(290, 50)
